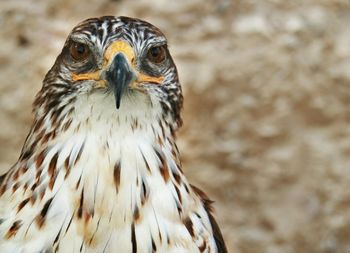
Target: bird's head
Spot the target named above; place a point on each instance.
(124, 59)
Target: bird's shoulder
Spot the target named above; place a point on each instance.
(208, 205)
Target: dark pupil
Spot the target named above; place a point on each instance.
(155, 51)
(80, 49)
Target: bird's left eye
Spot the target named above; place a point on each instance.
(156, 54)
(79, 51)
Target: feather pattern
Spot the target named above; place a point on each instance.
(91, 178)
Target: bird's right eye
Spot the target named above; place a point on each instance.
(79, 51)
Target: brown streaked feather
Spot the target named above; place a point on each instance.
(154, 247)
(203, 246)
(15, 187)
(177, 177)
(69, 223)
(189, 226)
(133, 238)
(136, 214)
(52, 165)
(40, 219)
(164, 170)
(116, 175)
(22, 204)
(79, 154)
(13, 229)
(3, 189)
(52, 171)
(40, 158)
(16, 175)
(33, 198)
(219, 240)
(67, 168)
(81, 203)
(144, 193)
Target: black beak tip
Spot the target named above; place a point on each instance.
(118, 98)
(117, 105)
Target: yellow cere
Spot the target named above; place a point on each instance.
(119, 47)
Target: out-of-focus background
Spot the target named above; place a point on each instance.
(267, 106)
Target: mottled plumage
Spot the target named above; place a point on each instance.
(100, 170)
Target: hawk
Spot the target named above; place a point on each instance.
(100, 170)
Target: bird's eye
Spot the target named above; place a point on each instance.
(156, 54)
(79, 51)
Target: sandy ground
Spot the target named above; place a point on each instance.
(267, 106)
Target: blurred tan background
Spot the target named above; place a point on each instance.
(267, 106)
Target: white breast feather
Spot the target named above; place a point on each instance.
(106, 136)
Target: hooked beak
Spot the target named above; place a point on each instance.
(119, 72)
(119, 75)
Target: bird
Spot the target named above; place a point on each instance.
(100, 170)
